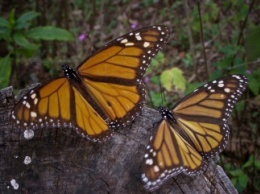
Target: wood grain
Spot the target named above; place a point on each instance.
(63, 162)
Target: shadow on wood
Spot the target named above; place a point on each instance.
(63, 162)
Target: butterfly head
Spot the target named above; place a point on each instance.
(70, 73)
(166, 114)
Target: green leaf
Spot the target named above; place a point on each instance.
(158, 59)
(11, 19)
(3, 23)
(249, 162)
(23, 21)
(173, 77)
(156, 98)
(243, 180)
(227, 167)
(225, 62)
(155, 79)
(252, 43)
(187, 60)
(234, 181)
(5, 34)
(22, 41)
(5, 71)
(236, 172)
(28, 53)
(156, 62)
(217, 73)
(49, 33)
(229, 50)
(254, 86)
(257, 164)
(240, 106)
(190, 87)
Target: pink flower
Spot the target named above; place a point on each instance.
(134, 26)
(146, 79)
(249, 71)
(82, 37)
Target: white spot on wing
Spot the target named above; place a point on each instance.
(124, 41)
(129, 44)
(156, 168)
(33, 95)
(149, 161)
(33, 114)
(220, 85)
(227, 90)
(146, 44)
(138, 37)
(35, 101)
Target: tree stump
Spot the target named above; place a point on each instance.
(63, 162)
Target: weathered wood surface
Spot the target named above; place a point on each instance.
(63, 162)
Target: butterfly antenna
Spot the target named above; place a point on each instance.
(162, 95)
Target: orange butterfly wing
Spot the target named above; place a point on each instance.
(195, 130)
(167, 155)
(204, 113)
(105, 92)
(113, 76)
(50, 106)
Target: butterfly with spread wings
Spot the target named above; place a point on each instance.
(193, 131)
(104, 92)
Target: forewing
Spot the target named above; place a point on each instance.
(57, 104)
(113, 75)
(203, 114)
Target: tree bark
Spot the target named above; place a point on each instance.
(63, 162)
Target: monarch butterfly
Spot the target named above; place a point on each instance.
(193, 131)
(104, 92)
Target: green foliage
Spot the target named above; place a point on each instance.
(5, 70)
(254, 84)
(240, 106)
(230, 58)
(25, 21)
(252, 43)
(156, 98)
(173, 77)
(190, 87)
(49, 33)
(187, 60)
(148, 3)
(156, 63)
(239, 179)
(22, 39)
(209, 14)
(240, 176)
(155, 79)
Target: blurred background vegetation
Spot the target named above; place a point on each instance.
(210, 39)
